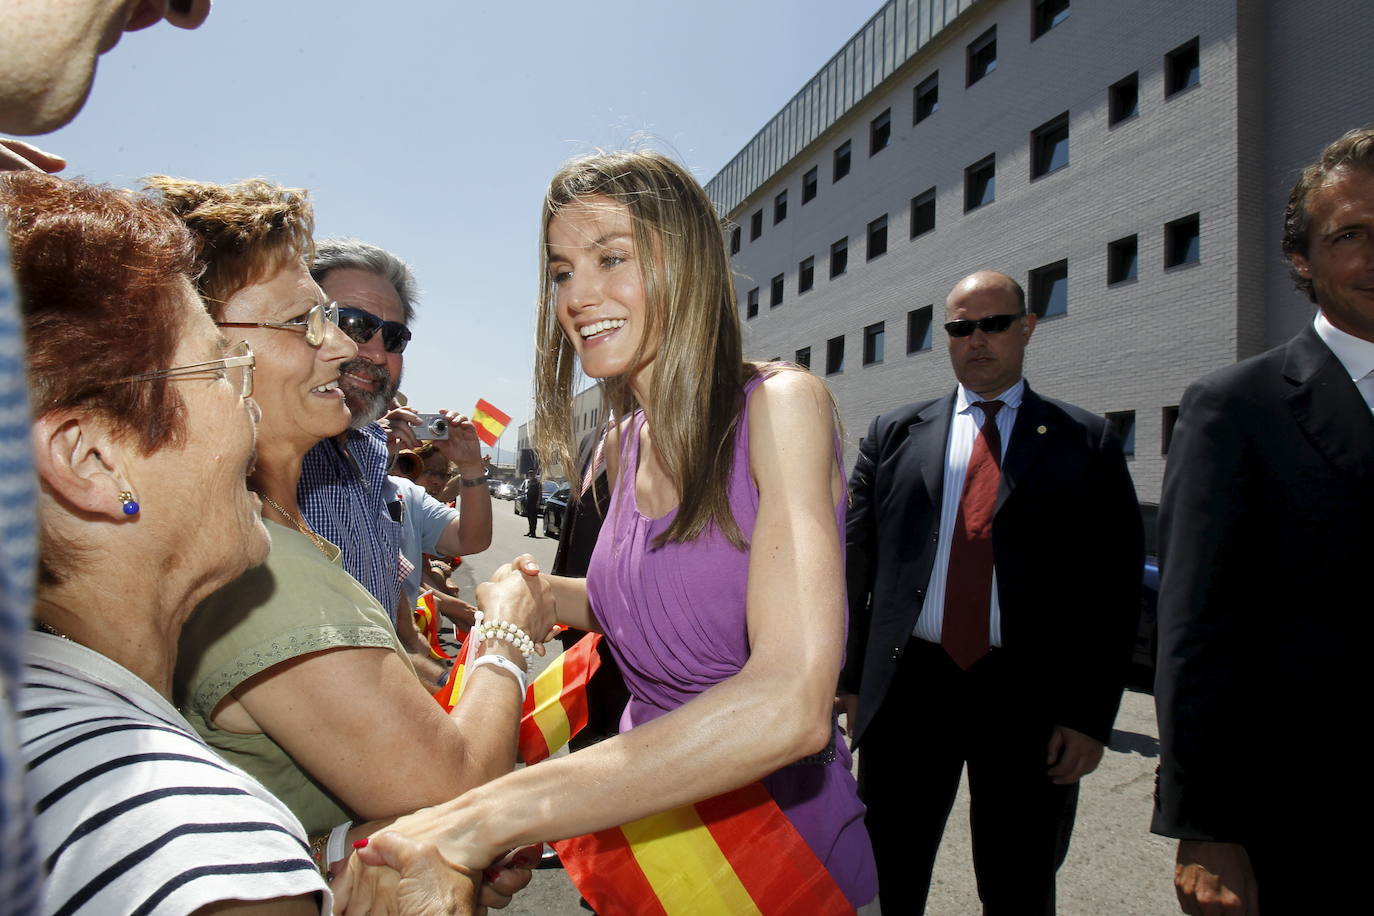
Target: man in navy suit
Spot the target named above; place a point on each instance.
(994, 561)
(1266, 534)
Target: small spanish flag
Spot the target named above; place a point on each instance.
(555, 704)
(733, 854)
(427, 623)
(489, 421)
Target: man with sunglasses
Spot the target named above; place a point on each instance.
(345, 493)
(994, 561)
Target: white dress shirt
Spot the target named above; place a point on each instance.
(963, 430)
(1355, 353)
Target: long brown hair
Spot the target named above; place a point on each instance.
(696, 395)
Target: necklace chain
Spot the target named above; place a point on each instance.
(298, 522)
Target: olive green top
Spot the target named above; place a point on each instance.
(297, 603)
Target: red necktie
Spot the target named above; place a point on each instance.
(968, 585)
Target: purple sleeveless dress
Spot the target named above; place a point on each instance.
(675, 619)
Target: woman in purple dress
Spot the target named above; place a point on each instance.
(718, 577)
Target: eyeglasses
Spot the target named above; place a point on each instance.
(237, 368)
(992, 324)
(360, 325)
(313, 323)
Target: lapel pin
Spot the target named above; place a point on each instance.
(1041, 430)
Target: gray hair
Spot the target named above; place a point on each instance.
(333, 254)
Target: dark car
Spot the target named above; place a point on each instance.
(550, 487)
(555, 508)
(1142, 674)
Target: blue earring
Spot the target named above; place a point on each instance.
(129, 504)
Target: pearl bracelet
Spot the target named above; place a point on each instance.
(504, 664)
(505, 631)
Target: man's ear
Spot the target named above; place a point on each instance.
(1301, 264)
(80, 461)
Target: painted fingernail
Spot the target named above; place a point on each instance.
(359, 844)
(491, 874)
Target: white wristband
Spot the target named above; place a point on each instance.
(502, 662)
(335, 851)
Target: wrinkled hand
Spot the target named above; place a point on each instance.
(395, 874)
(455, 609)
(400, 423)
(518, 592)
(1072, 755)
(18, 156)
(1215, 879)
(462, 447)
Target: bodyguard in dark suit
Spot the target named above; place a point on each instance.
(994, 562)
(1267, 539)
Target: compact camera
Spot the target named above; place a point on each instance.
(432, 426)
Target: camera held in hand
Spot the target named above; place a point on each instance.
(432, 426)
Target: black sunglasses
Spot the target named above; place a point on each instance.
(360, 325)
(993, 324)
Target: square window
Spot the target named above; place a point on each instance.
(918, 324)
(927, 98)
(1123, 99)
(880, 132)
(980, 183)
(834, 355)
(982, 56)
(1182, 241)
(839, 257)
(923, 212)
(806, 275)
(735, 233)
(873, 343)
(1049, 289)
(1122, 422)
(809, 183)
(803, 358)
(1121, 260)
(1170, 419)
(841, 162)
(775, 292)
(780, 207)
(1046, 15)
(751, 307)
(1182, 68)
(1050, 146)
(877, 237)
(756, 225)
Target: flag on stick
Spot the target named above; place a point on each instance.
(555, 704)
(489, 421)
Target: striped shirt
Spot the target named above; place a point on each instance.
(343, 495)
(19, 876)
(134, 813)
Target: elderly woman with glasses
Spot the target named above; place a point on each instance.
(293, 671)
(140, 417)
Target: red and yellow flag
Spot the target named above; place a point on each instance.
(427, 623)
(489, 421)
(555, 704)
(733, 854)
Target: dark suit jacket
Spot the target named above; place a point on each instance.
(1266, 547)
(1067, 546)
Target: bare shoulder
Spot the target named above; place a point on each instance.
(792, 394)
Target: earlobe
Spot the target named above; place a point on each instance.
(78, 460)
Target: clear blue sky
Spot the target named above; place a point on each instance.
(430, 127)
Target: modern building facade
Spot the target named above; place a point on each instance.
(1128, 163)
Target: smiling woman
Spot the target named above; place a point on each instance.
(266, 662)
(138, 415)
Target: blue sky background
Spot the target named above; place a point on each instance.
(431, 127)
